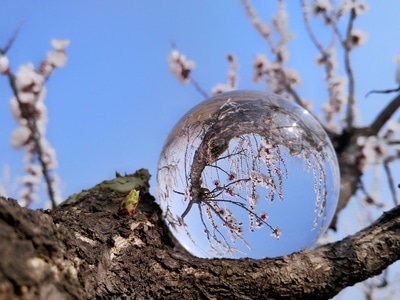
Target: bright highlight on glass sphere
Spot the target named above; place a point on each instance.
(247, 174)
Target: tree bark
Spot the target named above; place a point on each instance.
(91, 248)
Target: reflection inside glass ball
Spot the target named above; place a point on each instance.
(247, 174)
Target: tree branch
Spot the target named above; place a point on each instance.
(91, 249)
(384, 116)
(390, 180)
(27, 114)
(11, 40)
(198, 88)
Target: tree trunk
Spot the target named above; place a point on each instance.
(91, 248)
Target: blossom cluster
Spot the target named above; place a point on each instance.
(234, 227)
(326, 9)
(30, 112)
(336, 86)
(279, 78)
(376, 150)
(4, 64)
(340, 88)
(276, 76)
(232, 82)
(180, 66)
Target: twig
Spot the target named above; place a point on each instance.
(347, 46)
(262, 28)
(325, 56)
(309, 30)
(383, 91)
(10, 42)
(390, 180)
(290, 90)
(351, 88)
(199, 88)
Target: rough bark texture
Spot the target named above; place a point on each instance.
(91, 248)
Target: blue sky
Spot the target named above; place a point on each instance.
(113, 105)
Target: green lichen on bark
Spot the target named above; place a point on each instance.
(121, 185)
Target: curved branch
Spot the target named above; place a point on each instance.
(384, 116)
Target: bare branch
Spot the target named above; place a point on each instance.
(384, 116)
(383, 91)
(198, 88)
(390, 180)
(11, 40)
(309, 29)
(351, 88)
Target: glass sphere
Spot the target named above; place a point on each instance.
(247, 174)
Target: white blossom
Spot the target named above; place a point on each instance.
(20, 136)
(374, 149)
(41, 110)
(49, 154)
(281, 19)
(60, 44)
(28, 196)
(220, 88)
(16, 111)
(231, 75)
(292, 77)
(28, 80)
(276, 232)
(46, 68)
(180, 66)
(57, 59)
(321, 6)
(260, 65)
(27, 98)
(41, 123)
(357, 38)
(264, 28)
(31, 92)
(31, 179)
(360, 7)
(344, 7)
(4, 64)
(393, 126)
(33, 169)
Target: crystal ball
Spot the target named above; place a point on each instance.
(247, 174)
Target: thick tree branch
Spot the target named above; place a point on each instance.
(91, 249)
(347, 150)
